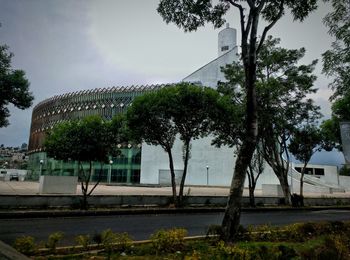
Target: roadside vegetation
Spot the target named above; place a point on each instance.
(323, 240)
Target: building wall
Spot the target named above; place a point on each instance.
(210, 74)
(219, 160)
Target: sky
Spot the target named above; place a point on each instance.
(72, 45)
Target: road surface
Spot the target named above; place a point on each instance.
(141, 226)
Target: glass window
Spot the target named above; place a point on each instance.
(319, 171)
(135, 176)
(224, 48)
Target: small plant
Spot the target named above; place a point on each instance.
(25, 245)
(53, 240)
(168, 241)
(97, 238)
(123, 242)
(108, 239)
(83, 240)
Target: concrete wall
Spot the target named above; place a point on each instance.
(210, 74)
(345, 182)
(203, 154)
(73, 201)
(58, 184)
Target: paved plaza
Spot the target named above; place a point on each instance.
(32, 188)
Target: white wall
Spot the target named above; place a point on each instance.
(210, 74)
(219, 160)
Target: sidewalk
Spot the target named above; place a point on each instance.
(32, 188)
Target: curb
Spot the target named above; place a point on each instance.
(147, 211)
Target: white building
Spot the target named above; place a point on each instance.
(213, 166)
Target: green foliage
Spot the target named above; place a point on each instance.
(53, 240)
(14, 87)
(344, 171)
(182, 109)
(190, 15)
(84, 141)
(115, 241)
(87, 140)
(171, 240)
(83, 240)
(336, 62)
(25, 245)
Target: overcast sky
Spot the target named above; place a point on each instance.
(71, 45)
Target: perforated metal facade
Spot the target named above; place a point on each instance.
(106, 102)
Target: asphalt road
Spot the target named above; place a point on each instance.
(141, 226)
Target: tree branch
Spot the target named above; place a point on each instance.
(267, 28)
(241, 13)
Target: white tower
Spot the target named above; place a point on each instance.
(226, 40)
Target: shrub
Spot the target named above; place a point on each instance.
(335, 247)
(53, 240)
(97, 238)
(25, 245)
(115, 241)
(83, 240)
(108, 239)
(168, 241)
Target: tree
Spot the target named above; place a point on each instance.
(14, 87)
(86, 140)
(190, 15)
(182, 109)
(190, 107)
(304, 143)
(148, 121)
(255, 169)
(282, 87)
(336, 62)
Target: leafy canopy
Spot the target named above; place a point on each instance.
(14, 87)
(86, 140)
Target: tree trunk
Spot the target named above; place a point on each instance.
(172, 175)
(283, 178)
(183, 178)
(251, 185)
(232, 215)
(302, 185)
(251, 197)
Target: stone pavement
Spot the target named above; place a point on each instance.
(32, 188)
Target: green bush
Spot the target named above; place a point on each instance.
(335, 247)
(115, 241)
(168, 241)
(53, 240)
(25, 245)
(83, 240)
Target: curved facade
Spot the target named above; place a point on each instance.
(105, 102)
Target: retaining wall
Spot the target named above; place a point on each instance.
(73, 201)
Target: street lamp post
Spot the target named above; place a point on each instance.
(207, 174)
(110, 171)
(41, 166)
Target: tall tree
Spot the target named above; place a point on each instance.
(304, 143)
(148, 121)
(282, 87)
(255, 169)
(88, 140)
(191, 14)
(189, 108)
(182, 110)
(336, 64)
(14, 87)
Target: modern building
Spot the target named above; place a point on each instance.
(147, 164)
